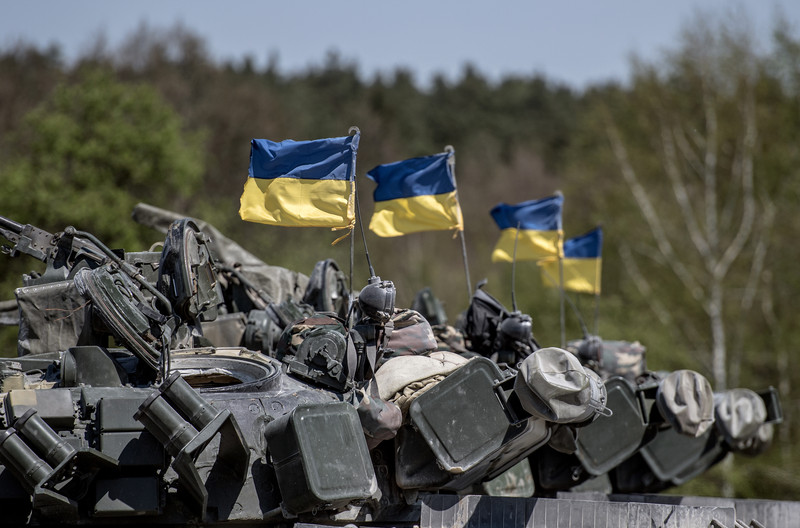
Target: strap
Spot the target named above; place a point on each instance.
(351, 356)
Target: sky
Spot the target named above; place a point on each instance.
(577, 42)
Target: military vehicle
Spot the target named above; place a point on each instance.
(198, 385)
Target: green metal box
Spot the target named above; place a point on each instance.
(320, 457)
(465, 429)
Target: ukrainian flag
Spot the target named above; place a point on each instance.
(582, 264)
(418, 194)
(539, 226)
(301, 183)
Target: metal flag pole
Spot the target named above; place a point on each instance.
(561, 287)
(598, 286)
(452, 162)
(514, 272)
(596, 314)
(572, 305)
(355, 129)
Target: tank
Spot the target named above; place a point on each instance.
(199, 385)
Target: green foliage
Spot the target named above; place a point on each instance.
(104, 145)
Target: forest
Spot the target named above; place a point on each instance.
(690, 166)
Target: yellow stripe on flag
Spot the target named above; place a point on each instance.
(428, 212)
(298, 202)
(531, 245)
(581, 275)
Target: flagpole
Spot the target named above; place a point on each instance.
(561, 287)
(572, 305)
(355, 130)
(596, 313)
(514, 272)
(597, 278)
(452, 162)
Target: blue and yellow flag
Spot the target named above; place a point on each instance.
(540, 232)
(301, 183)
(582, 264)
(418, 194)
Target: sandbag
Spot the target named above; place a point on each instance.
(401, 371)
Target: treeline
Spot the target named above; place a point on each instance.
(690, 166)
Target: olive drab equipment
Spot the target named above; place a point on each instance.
(494, 332)
(481, 320)
(327, 289)
(515, 340)
(427, 304)
(186, 273)
(148, 389)
(411, 335)
(376, 300)
(370, 335)
(303, 445)
(315, 348)
(264, 328)
(126, 314)
(610, 358)
(450, 445)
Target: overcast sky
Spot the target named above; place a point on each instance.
(574, 41)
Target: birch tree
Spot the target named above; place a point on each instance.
(707, 220)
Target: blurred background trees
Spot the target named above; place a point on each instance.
(691, 166)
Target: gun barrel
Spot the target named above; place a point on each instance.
(7, 223)
(26, 238)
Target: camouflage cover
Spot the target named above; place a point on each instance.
(57, 307)
(449, 338)
(411, 335)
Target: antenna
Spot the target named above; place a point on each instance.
(363, 237)
(572, 304)
(578, 315)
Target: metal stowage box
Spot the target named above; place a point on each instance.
(461, 418)
(466, 426)
(320, 457)
(609, 440)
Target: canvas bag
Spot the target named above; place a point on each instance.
(739, 414)
(481, 320)
(685, 400)
(411, 335)
(404, 378)
(380, 419)
(552, 384)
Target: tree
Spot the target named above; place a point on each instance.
(94, 149)
(685, 141)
